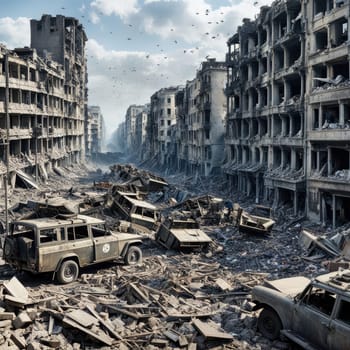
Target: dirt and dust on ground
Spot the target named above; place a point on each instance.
(173, 300)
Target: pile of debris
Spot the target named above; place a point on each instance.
(184, 302)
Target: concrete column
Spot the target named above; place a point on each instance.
(272, 126)
(334, 208)
(287, 91)
(285, 58)
(328, 38)
(283, 157)
(329, 162)
(318, 161)
(257, 188)
(295, 202)
(284, 126)
(288, 22)
(276, 198)
(293, 159)
(291, 124)
(320, 112)
(341, 113)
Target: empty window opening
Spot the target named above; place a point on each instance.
(245, 102)
(255, 69)
(263, 65)
(244, 73)
(293, 53)
(286, 159)
(245, 126)
(296, 125)
(280, 25)
(279, 93)
(253, 99)
(265, 152)
(279, 59)
(342, 69)
(277, 125)
(276, 157)
(340, 160)
(320, 7)
(263, 36)
(330, 115)
(263, 126)
(339, 32)
(321, 39)
(316, 113)
(293, 88)
(299, 160)
(319, 71)
(263, 97)
(254, 127)
(257, 155)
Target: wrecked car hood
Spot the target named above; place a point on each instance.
(291, 286)
(190, 235)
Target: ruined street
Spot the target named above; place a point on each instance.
(187, 298)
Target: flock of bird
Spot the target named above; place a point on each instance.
(157, 56)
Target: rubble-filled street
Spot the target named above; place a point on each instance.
(176, 298)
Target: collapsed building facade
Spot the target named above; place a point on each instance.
(42, 98)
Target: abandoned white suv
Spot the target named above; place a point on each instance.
(313, 313)
(62, 246)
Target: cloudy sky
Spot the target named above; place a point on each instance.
(136, 47)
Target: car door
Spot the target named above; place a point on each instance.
(80, 243)
(312, 315)
(106, 245)
(339, 333)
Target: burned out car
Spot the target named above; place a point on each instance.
(143, 216)
(181, 234)
(312, 313)
(63, 246)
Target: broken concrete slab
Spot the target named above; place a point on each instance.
(211, 333)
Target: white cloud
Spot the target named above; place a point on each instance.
(14, 32)
(122, 8)
(94, 18)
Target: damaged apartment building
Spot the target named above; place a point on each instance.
(201, 111)
(288, 108)
(265, 106)
(42, 99)
(328, 111)
(94, 132)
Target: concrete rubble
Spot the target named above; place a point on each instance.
(174, 300)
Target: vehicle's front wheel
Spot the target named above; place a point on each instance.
(133, 256)
(68, 272)
(269, 324)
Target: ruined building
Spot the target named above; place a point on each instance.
(42, 101)
(130, 126)
(328, 111)
(201, 111)
(265, 106)
(94, 131)
(162, 116)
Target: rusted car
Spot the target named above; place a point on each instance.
(144, 216)
(63, 246)
(248, 223)
(312, 313)
(181, 234)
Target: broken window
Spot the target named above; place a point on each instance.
(244, 73)
(279, 58)
(254, 127)
(319, 71)
(344, 311)
(321, 39)
(263, 36)
(255, 69)
(48, 236)
(339, 32)
(340, 69)
(339, 161)
(276, 157)
(320, 7)
(263, 65)
(245, 126)
(330, 115)
(263, 97)
(320, 299)
(263, 126)
(293, 52)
